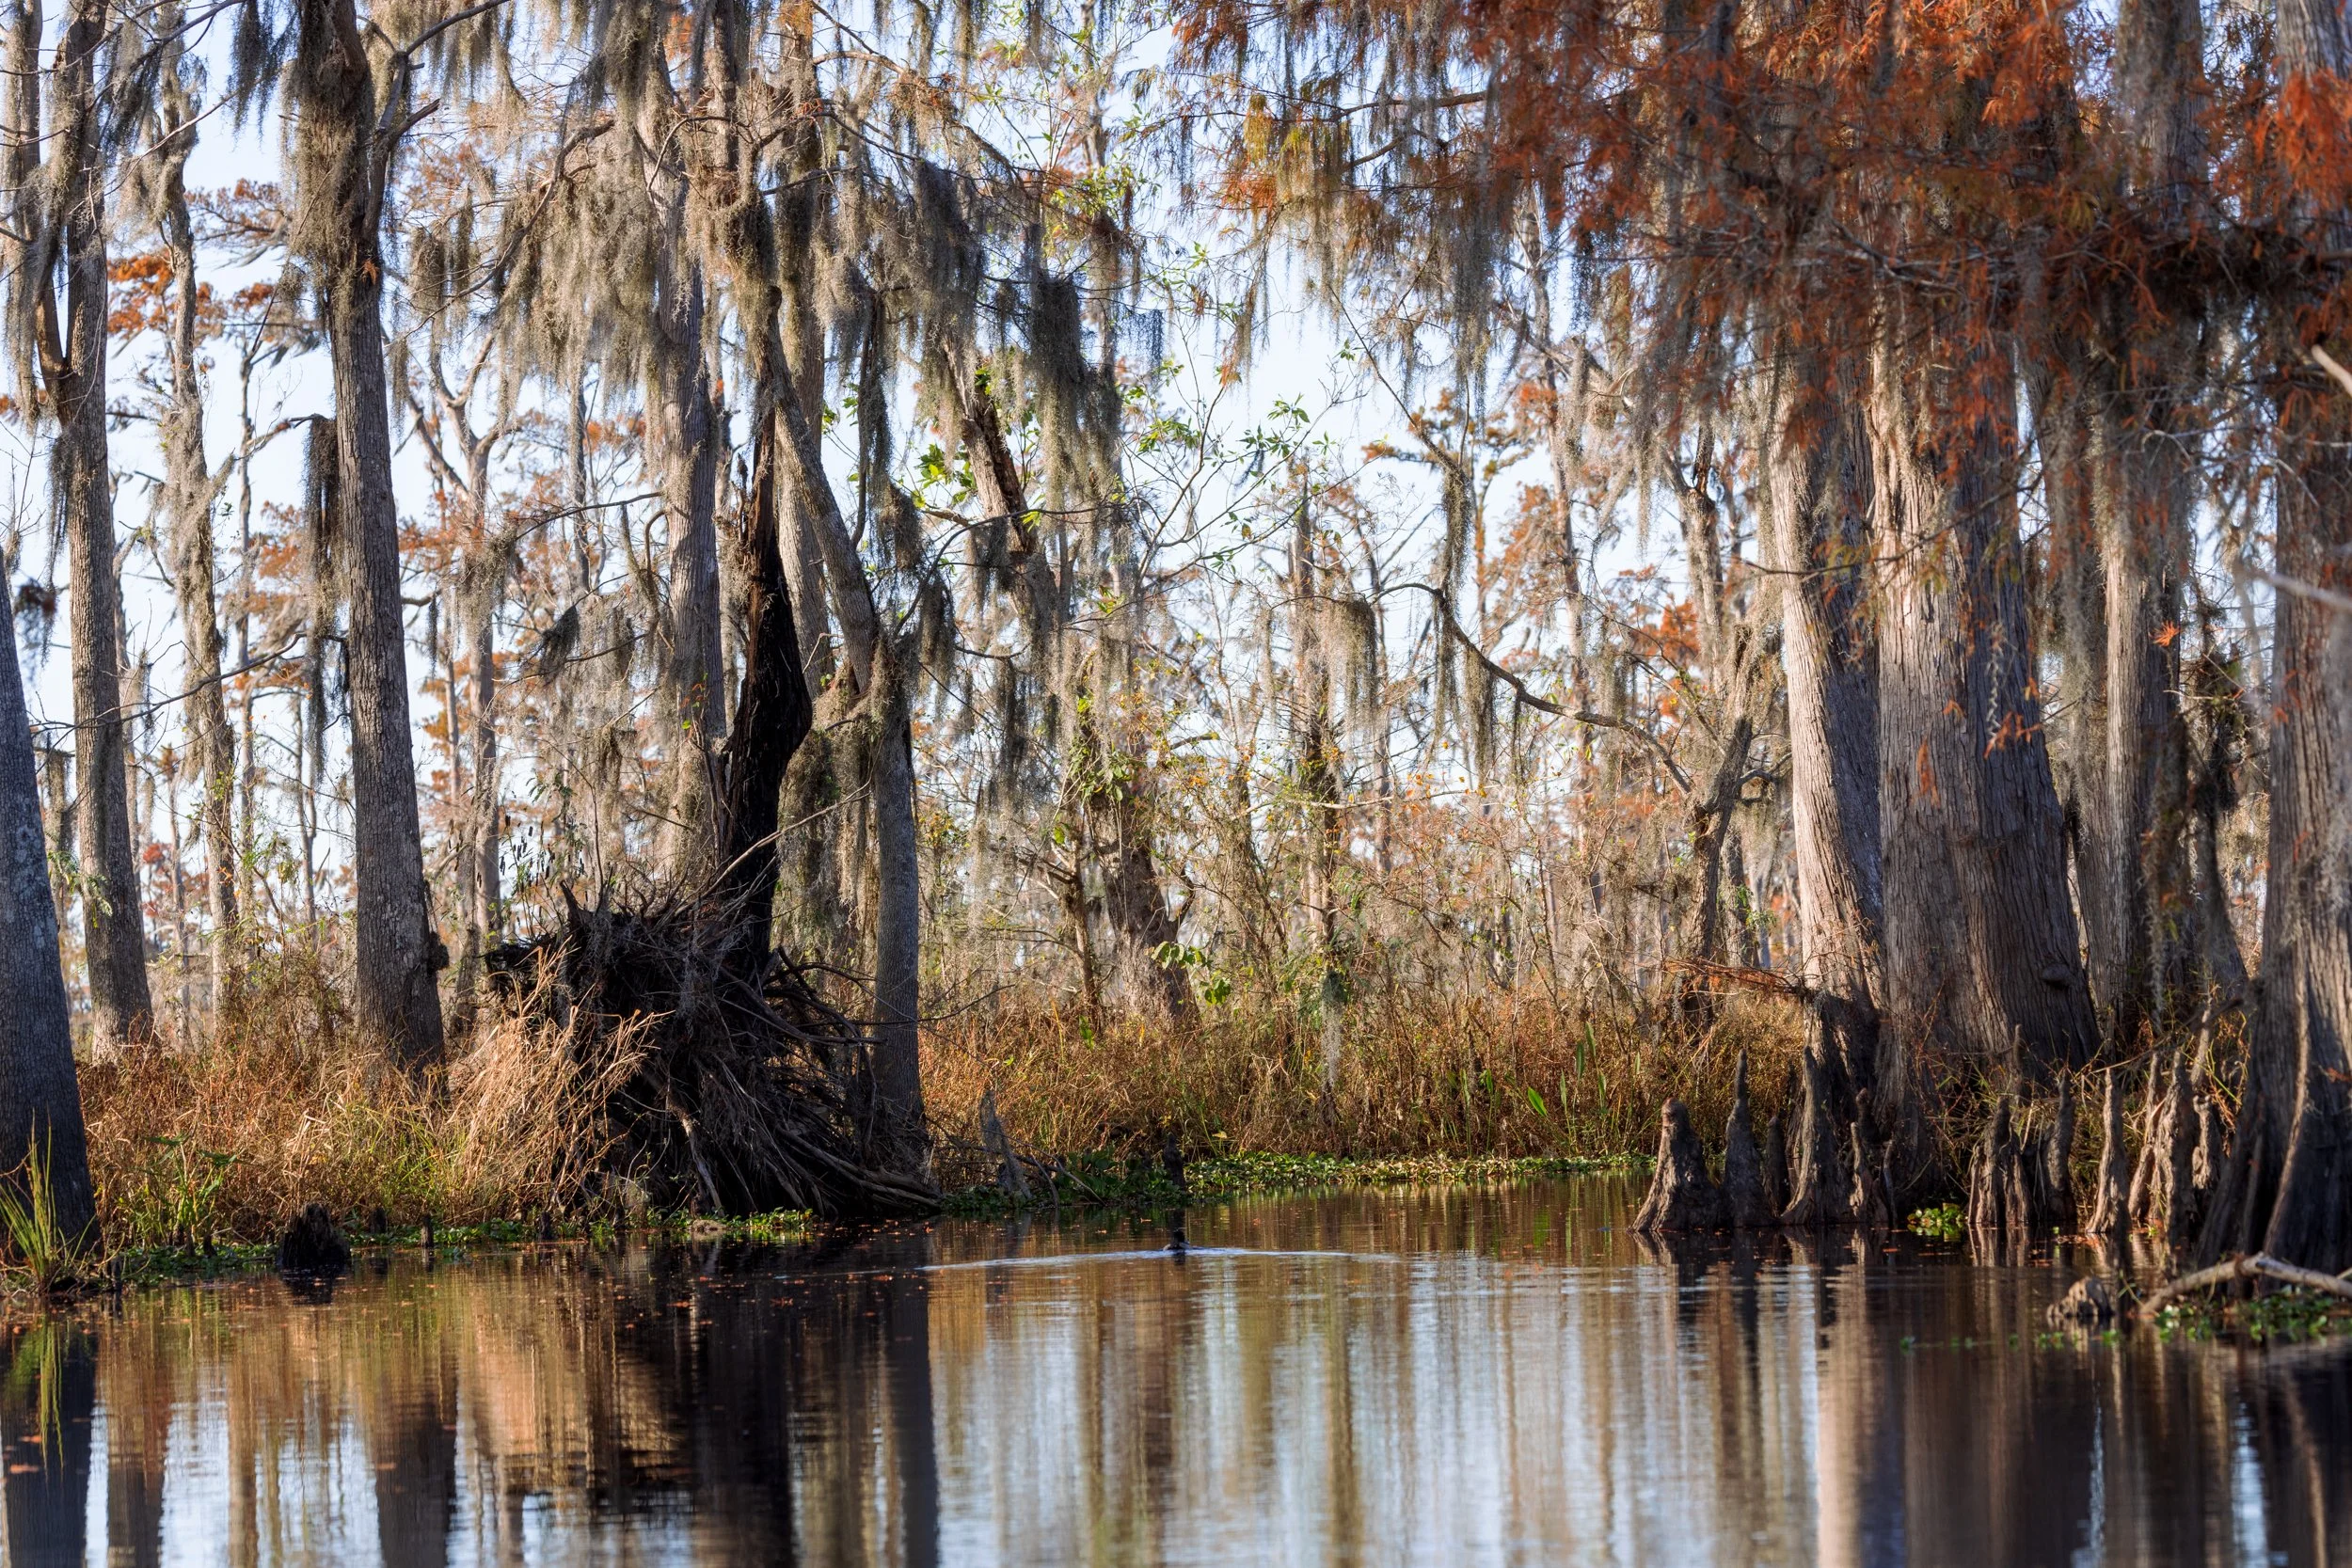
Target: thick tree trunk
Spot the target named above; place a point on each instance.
(338, 220)
(1819, 522)
(1981, 952)
(2123, 539)
(2302, 1044)
(875, 669)
(772, 713)
(2299, 1060)
(2120, 505)
(73, 372)
(685, 457)
(41, 1101)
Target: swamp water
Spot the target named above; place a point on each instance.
(1429, 1376)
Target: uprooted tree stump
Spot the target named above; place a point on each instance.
(711, 1080)
(1682, 1196)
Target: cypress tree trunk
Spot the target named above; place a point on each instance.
(190, 488)
(685, 462)
(2141, 814)
(898, 918)
(2118, 527)
(2134, 488)
(342, 160)
(877, 674)
(2303, 1046)
(1981, 943)
(1820, 521)
(482, 834)
(773, 711)
(41, 1101)
(2299, 1061)
(73, 375)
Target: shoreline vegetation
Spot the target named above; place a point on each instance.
(200, 1155)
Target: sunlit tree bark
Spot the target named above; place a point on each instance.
(344, 144)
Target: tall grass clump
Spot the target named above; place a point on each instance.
(40, 1253)
(1504, 1073)
(192, 1142)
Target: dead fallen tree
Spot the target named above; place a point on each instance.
(726, 1084)
(2259, 1265)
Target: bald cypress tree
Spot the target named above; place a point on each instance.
(346, 138)
(61, 342)
(40, 1101)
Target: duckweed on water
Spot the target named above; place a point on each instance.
(1943, 1223)
(2287, 1314)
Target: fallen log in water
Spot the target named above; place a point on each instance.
(2257, 1265)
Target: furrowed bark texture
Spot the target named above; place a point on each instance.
(1828, 649)
(772, 713)
(40, 1101)
(2301, 1060)
(2302, 1047)
(880, 681)
(686, 451)
(1981, 956)
(340, 170)
(2124, 541)
(74, 373)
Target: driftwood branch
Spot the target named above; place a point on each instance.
(1717, 976)
(2260, 1264)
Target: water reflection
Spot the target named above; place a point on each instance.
(1422, 1377)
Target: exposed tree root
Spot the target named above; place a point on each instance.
(738, 1088)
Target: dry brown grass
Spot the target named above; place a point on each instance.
(1508, 1074)
(224, 1138)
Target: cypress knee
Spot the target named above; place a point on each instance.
(1775, 1164)
(1819, 1186)
(1682, 1196)
(1744, 1186)
(2110, 1210)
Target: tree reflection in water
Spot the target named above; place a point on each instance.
(1439, 1376)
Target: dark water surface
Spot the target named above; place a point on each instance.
(1417, 1377)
